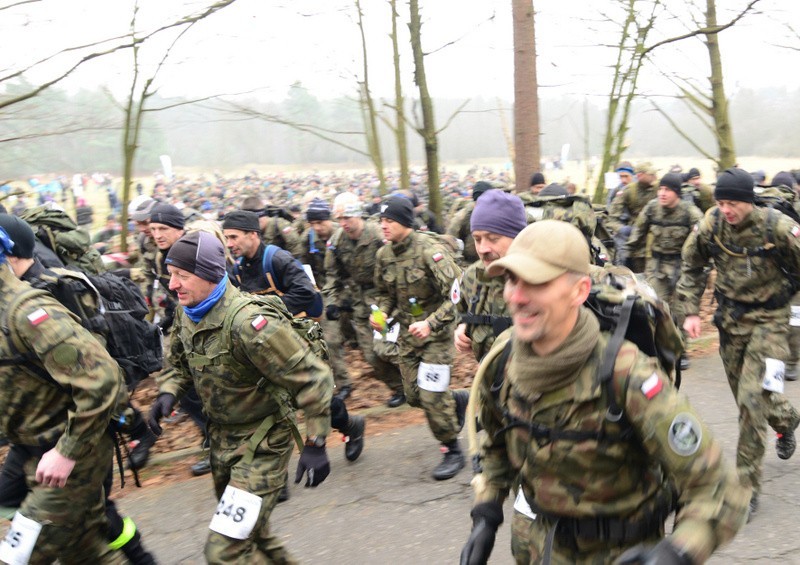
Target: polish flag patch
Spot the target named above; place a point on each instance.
(287, 229)
(437, 257)
(652, 386)
(796, 231)
(38, 316)
(259, 323)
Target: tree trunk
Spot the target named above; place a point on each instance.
(428, 129)
(399, 105)
(719, 103)
(370, 121)
(527, 156)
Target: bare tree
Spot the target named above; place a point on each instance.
(526, 97)
(368, 108)
(141, 90)
(428, 128)
(399, 127)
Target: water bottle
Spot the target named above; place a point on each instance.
(379, 318)
(416, 307)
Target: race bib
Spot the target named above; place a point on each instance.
(391, 335)
(17, 547)
(773, 375)
(794, 320)
(237, 513)
(433, 378)
(310, 273)
(521, 505)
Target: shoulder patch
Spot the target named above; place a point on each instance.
(652, 386)
(38, 316)
(796, 231)
(437, 257)
(259, 323)
(287, 229)
(685, 435)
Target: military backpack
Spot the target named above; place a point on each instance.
(60, 234)
(112, 307)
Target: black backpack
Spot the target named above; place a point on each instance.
(114, 308)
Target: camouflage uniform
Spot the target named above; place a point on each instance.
(702, 196)
(459, 228)
(312, 253)
(59, 389)
(350, 272)
(669, 228)
(418, 267)
(280, 232)
(752, 317)
(625, 208)
(482, 308)
(599, 498)
(249, 394)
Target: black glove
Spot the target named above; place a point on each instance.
(314, 460)
(347, 305)
(161, 407)
(486, 518)
(332, 312)
(663, 553)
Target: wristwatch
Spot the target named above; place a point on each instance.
(315, 441)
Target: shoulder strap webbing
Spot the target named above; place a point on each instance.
(606, 370)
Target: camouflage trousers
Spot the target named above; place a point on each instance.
(529, 540)
(439, 407)
(793, 365)
(264, 476)
(332, 332)
(382, 357)
(73, 517)
(743, 357)
(663, 275)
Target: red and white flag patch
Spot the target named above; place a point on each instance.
(652, 386)
(796, 231)
(38, 316)
(437, 257)
(455, 292)
(259, 323)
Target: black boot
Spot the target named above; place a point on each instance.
(140, 447)
(452, 463)
(344, 392)
(684, 362)
(753, 507)
(136, 553)
(202, 467)
(397, 399)
(284, 494)
(354, 437)
(462, 399)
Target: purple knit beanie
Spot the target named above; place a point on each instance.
(499, 212)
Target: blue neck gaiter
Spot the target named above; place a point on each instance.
(196, 313)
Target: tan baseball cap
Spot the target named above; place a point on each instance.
(544, 251)
(646, 167)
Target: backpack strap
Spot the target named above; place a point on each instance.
(269, 273)
(605, 372)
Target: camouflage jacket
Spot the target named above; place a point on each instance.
(482, 308)
(582, 478)
(628, 204)
(460, 228)
(701, 196)
(670, 228)
(751, 288)
(417, 267)
(350, 267)
(267, 360)
(281, 233)
(58, 384)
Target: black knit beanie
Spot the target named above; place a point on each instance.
(479, 188)
(168, 215)
(318, 211)
(399, 209)
(20, 233)
(734, 184)
(672, 181)
(244, 220)
(200, 253)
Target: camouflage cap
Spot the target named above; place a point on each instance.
(646, 167)
(544, 251)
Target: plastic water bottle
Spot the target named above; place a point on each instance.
(378, 317)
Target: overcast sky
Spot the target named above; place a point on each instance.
(266, 45)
